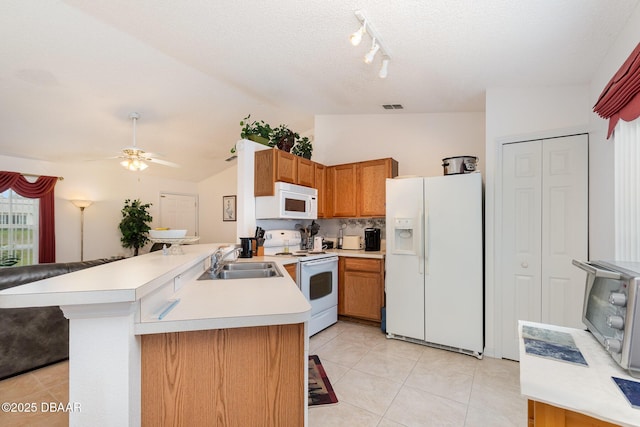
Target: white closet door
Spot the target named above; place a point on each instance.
(564, 228)
(521, 246)
(179, 211)
(544, 227)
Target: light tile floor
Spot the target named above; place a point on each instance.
(382, 382)
(379, 382)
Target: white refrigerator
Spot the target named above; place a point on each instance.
(434, 261)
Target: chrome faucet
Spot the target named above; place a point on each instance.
(219, 256)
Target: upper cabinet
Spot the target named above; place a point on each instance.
(358, 189)
(272, 166)
(320, 175)
(342, 184)
(372, 176)
(344, 191)
(306, 172)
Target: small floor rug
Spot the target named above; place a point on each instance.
(320, 390)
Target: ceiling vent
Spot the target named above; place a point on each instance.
(392, 106)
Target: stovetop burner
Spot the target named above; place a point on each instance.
(290, 254)
(299, 253)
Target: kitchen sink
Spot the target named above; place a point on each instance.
(244, 270)
(248, 266)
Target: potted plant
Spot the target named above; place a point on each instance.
(284, 138)
(259, 132)
(303, 148)
(134, 225)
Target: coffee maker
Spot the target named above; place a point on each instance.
(371, 239)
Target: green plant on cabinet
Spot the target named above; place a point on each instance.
(281, 137)
(303, 148)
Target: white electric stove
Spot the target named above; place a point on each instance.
(317, 275)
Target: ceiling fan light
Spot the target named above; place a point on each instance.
(134, 165)
(140, 165)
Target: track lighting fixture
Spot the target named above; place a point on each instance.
(376, 45)
(384, 69)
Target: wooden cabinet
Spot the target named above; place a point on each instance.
(358, 189)
(306, 173)
(545, 415)
(371, 186)
(320, 177)
(360, 287)
(241, 376)
(272, 166)
(342, 186)
(292, 269)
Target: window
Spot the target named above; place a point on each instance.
(18, 229)
(627, 190)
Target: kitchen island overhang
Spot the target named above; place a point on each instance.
(110, 308)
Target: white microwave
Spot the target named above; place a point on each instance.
(289, 202)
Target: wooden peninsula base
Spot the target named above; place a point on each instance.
(544, 415)
(241, 376)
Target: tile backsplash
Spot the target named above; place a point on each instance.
(328, 227)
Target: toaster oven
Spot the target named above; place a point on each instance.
(611, 309)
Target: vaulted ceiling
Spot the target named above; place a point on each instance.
(72, 71)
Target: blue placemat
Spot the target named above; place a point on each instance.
(630, 389)
(552, 344)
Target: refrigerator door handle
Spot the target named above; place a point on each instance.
(421, 243)
(425, 224)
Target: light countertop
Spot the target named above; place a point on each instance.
(125, 280)
(585, 389)
(149, 280)
(361, 253)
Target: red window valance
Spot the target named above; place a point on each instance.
(620, 99)
(41, 189)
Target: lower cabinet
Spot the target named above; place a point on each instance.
(292, 270)
(545, 415)
(226, 377)
(360, 287)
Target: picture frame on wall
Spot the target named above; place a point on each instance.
(229, 208)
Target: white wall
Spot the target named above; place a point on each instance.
(418, 142)
(211, 190)
(108, 185)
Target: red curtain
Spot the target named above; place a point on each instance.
(41, 189)
(620, 99)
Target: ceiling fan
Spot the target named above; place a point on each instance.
(136, 159)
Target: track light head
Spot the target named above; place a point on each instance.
(384, 69)
(375, 47)
(356, 37)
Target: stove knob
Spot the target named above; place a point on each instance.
(614, 321)
(618, 298)
(613, 345)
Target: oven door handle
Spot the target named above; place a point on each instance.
(318, 262)
(597, 272)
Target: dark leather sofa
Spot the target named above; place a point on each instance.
(34, 337)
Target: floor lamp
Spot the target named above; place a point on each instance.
(82, 204)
